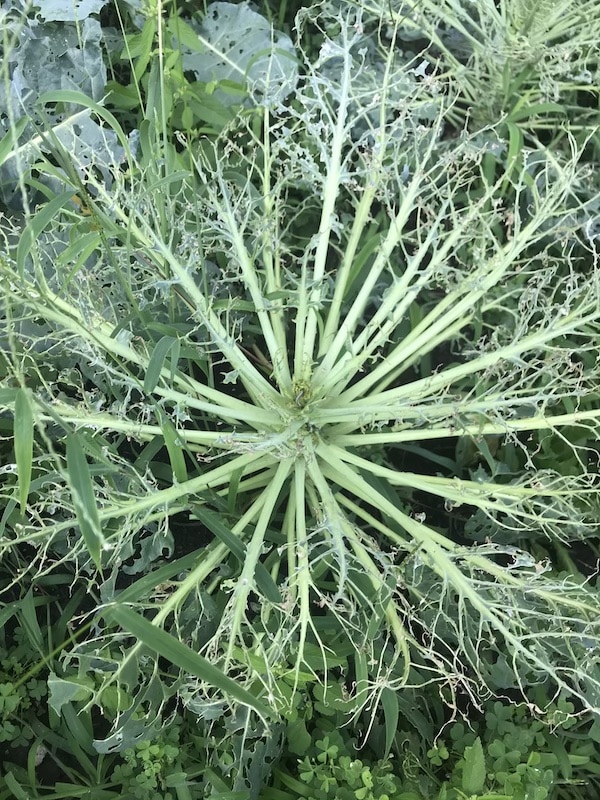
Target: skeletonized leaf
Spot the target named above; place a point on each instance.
(183, 656)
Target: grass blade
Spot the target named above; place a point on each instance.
(82, 490)
(8, 141)
(391, 712)
(155, 364)
(37, 224)
(173, 443)
(23, 443)
(264, 581)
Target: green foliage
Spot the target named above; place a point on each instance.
(531, 65)
(330, 306)
(21, 700)
(331, 770)
(267, 341)
(149, 767)
(514, 755)
(505, 754)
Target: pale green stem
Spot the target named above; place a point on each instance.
(215, 557)
(270, 252)
(454, 311)
(393, 307)
(322, 377)
(306, 324)
(481, 494)
(245, 583)
(97, 330)
(361, 218)
(579, 606)
(153, 246)
(348, 478)
(276, 345)
(290, 529)
(163, 105)
(253, 483)
(389, 404)
(467, 418)
(79, 415)
(300, 575)
(249, 462)
(399, 632)
(338, 523)
(332, 522)
(371, 521)
(538, 422)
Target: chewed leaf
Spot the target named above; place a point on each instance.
(237, 45)
(63, 692)
(68, 10)
(183, 656)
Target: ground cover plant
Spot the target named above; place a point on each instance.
(300, 373)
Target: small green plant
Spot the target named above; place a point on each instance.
(148, 766)
(510, 754)
(333, 770)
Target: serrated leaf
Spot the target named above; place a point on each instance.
(473, 775)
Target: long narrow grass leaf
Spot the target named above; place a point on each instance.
(82, 488)
(23, 443)
(156, 362)
(263, 579)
